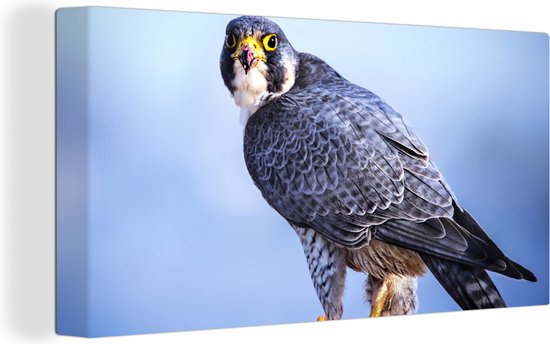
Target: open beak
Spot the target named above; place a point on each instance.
(249, 53)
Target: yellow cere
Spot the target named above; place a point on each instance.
(254, 44)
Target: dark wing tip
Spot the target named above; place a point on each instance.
(525, 274)
(513, 269)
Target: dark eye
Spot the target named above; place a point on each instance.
(270, 42)
(230, 41)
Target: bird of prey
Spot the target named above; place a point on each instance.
(353, 179)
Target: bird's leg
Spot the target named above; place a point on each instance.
(381, 298)
(327, 266)
(392, 295)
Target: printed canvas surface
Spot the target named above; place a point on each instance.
(160, 226)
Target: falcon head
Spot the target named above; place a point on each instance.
(257, 62)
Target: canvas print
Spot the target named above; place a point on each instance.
(222, 170)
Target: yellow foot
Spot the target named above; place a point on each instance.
(375, 312)
(322, 318)
(383, 295)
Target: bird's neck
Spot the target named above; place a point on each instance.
(312, 70)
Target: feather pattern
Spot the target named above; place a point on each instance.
(332, 156)
(348, 155)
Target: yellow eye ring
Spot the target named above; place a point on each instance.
(230, 41)
(270, 42)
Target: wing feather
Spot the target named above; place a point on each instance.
(341, 165)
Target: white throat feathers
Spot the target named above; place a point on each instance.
(250, 90)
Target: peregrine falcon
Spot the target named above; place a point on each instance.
(353, 179)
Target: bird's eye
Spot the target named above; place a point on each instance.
(230, 41)
(270, 42)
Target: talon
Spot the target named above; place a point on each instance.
(321, 318)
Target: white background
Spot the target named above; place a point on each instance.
(27, 174)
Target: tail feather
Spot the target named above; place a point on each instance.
(470, 287)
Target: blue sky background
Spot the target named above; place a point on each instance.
(178, 236)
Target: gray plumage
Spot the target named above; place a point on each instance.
(358, 185)
(327, 267)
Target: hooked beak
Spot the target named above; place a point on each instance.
(249, 53)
